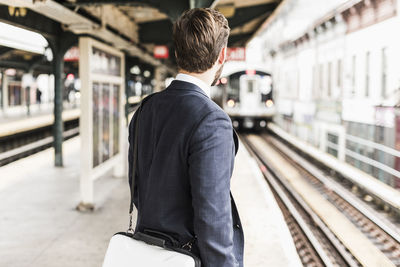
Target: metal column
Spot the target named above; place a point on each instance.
(58, 128)
(4, 90)
(59, 46)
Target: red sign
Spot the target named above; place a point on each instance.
(161, 51)
(250, 72)
(236, 54)
(72, 54)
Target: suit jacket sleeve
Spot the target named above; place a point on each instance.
(211, 159)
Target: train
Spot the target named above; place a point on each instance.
(246, 95)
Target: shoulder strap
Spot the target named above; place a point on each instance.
(135, 149)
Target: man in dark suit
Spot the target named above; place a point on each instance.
(186, 149)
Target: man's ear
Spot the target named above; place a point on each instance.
(222, 55)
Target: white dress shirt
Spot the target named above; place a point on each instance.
(194, 80)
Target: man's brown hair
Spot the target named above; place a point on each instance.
(199, 35)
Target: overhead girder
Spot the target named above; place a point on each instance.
(239, 39)
(201, 3)
(157, 32)
(246, 14)
(160, 32)
(4, 50)
(171, 8)
(39, 67)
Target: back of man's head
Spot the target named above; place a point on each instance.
(199, 35)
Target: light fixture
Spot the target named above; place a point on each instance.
(135, 70)
(17, 11)
(231, 103)
(146, 74)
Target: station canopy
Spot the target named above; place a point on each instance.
(136, 27)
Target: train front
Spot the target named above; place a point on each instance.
(247, 97)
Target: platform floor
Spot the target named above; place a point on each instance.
(20, 113)
(39, 225)
(14, 125)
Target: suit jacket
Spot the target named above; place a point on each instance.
(186, 151)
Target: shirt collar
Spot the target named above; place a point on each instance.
(191, 79)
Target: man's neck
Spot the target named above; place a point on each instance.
(206, 77)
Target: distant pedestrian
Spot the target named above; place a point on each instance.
(38, 96)
(186, 149)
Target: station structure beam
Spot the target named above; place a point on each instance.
(36, 64)
(202, 3)
(238, 38)
(59, 46)
(4, 90)
(172, 8)
(4, 50)
(246, 14)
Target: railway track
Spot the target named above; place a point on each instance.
(319, 241)
(30, 142)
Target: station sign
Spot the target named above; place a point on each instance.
(72, 54)
(101, 70)
(161, 51)
(236, 54)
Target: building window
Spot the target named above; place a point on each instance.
(367, 78)
(339, 73)
(329, 79)
(315, 79)
(384, 72)
(353, 76)
(321, 78)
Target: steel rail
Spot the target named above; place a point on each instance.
(385, 236)
(271, 175)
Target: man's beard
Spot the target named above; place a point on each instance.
(217, 75)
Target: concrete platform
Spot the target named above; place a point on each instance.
(40, 226)
(267, 239)
(16, 125)
(20, 112)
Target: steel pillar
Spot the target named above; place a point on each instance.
(58, 127)
(1, 88)
(59, 46)
(4, 90)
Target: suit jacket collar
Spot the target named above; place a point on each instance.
(177, 84)
(182, 85)
(192, 79)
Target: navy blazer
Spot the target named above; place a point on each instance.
(186, 151)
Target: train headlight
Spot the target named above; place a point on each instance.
(269, 103)
(231, 103)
